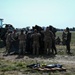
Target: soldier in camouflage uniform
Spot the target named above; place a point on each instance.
(48, 36)
(68, 40)
(22, 42)
(53, 30)
(15, 41)
(35, 36)
(8, 41)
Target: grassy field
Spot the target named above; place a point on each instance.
(59, 33)
(62, 48)
(12, 65)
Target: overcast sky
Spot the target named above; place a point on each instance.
(23, 13)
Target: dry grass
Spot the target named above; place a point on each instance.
(12, 65)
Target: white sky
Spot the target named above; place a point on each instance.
(23, 13)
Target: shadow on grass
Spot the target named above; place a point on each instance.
(19, 57)
(42, 56)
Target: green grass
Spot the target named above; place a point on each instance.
(20, 66)
(62, 48)
(59, 33)
(7, 66)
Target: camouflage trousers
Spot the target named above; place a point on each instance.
(8, 46)
(22, 46)
(35, 47)
(48, 45)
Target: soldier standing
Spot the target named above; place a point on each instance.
(35, 36)
(53, 39)
(48, 36)
(15, 41)
(29, 42)
(22, 42)
(68, 40)
(8, 41)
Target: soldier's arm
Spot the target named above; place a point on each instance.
(52, 35)
(70, 37)
(12, 36)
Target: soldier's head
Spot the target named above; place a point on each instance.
(47, 29)
(50, 27)
(35, 30)
(67, 29)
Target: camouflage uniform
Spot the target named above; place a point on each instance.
(64, 37)
(14, 41)
(68, 40)
(22, 42)
(48, 35)
(35, 36)
(8, 42)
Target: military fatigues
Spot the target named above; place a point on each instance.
(22, 43)
(29, 42)
(64, 37)
(8, 42)
(68, 40)
(54, 50)
(15, 41)
(48, 35)
(36, 46)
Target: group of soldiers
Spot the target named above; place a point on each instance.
(35, 42)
